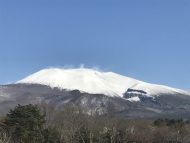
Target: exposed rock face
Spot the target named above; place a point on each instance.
(167, 105)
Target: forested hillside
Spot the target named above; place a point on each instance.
(33, 124)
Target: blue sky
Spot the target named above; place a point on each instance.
(144, 39)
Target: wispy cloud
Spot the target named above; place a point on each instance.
(81, 66)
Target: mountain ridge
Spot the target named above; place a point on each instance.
(96, 92)
(95, 82)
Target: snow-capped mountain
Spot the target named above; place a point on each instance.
(96, 92)
(95, 82)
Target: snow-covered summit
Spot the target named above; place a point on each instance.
(94, 82)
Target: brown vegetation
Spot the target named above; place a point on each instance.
(72, 126)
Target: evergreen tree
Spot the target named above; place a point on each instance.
(51, 136)
(25, 124)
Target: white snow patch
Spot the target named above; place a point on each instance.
(66, 101)
(134, 99)
(94, 82)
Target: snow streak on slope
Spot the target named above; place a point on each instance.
(94, 82)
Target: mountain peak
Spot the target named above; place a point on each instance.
(94, 82)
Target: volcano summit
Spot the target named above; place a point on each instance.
(95, 91)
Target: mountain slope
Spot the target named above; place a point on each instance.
(96, 92)
(95, 82)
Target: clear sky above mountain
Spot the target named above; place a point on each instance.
(147, 40)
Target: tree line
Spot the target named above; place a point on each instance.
(42, 124)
